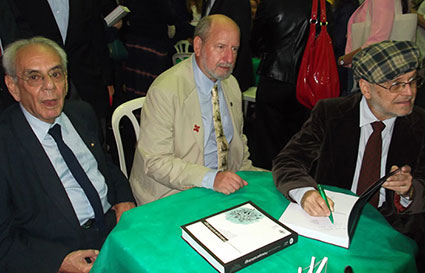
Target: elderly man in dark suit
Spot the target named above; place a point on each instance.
(59, 195)
(355, 140)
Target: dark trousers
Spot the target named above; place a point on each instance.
(94, 238)
(278, 116)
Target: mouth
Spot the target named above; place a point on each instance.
(50, 103)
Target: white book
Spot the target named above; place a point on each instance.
(347, 210)
(117, 14)
(321, 228)
(236, 237)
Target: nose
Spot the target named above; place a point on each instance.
(48, 82)
(229, 56)
(408, 90)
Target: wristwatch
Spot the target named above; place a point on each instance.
(341, 61)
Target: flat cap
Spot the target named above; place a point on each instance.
(384, 61)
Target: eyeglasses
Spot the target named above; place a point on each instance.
(397, 86)
(36, 79)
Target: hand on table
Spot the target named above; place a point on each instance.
(228, 182)
(401, 182)
(315, 205)
(122, 207)
(75, 262)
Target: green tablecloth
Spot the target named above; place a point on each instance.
(148, 238)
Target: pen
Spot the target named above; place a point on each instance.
(310, 269)
(322, 193)
(322, 265)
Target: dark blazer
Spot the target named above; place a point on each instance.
(38, 225)
(240, 12)
(88, 64)
(330, 140)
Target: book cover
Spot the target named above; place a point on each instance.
(237, 237)
(347, 210)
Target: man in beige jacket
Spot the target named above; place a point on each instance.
(177, 147)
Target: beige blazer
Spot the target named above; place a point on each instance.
(170, 151)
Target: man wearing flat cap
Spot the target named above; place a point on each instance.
(350, 142)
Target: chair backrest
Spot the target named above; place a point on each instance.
(178, 57)
(182, 46)
(125, 109)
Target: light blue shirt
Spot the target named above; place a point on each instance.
(78, 198)
(60, 9)
(204, 86)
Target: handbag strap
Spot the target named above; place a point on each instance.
(313, 19)
(323, 19)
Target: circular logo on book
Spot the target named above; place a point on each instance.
(243, 216)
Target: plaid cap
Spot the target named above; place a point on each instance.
(384, 61)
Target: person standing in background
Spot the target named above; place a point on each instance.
(279, 37)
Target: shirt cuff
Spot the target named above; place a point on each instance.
(401, 203)
(208, 180)
(298, 193)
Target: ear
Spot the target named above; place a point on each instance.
(12, 87)
(365, 88)
(197, 45)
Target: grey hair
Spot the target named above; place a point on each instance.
(203, 28)
(204, 25)
(9, 56)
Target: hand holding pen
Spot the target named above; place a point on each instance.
(313, 203)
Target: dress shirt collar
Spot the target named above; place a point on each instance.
(367, 117)
(203, 83)
(40, 128)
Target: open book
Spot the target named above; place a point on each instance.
(347, 210)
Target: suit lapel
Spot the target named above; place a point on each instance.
(44, 172)
(341, 144)
(192, 112)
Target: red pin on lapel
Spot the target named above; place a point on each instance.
(196, 128)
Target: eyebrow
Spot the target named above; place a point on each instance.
(399, 78)
(29, 71)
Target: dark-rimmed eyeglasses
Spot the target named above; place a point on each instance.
(397, 86)
(36, 78)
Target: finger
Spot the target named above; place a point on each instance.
(86, 268)
(406, 169)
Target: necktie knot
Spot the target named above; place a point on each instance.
(214, 90)
(378, 126)
(55, 132)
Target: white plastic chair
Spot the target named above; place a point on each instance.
(125, 109)
(182, 51)
(248, 96)
(182, 46)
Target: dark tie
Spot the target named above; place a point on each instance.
(79, 175)
(371, 163)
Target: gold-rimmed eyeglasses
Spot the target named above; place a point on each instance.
(397, 86)
(35, 78)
